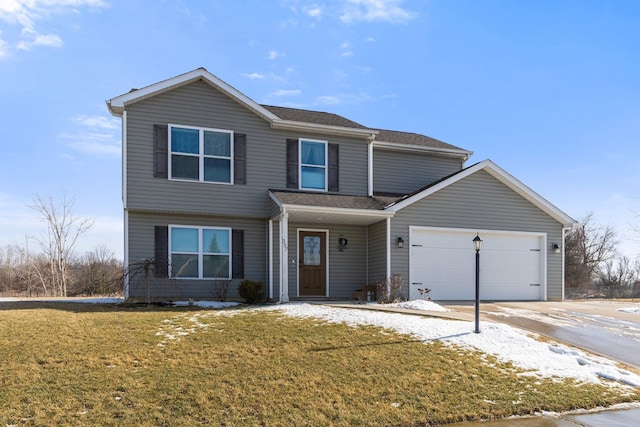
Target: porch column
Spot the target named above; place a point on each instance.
(284, 257)
(388, 256)
(270, 245)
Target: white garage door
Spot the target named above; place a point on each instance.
(511, 265)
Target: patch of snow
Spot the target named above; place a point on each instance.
(560, 319)
(635, 309)
(207, 304)
(506, 343)
(418, 304)
(96, 300)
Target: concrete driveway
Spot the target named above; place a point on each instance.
(599, 327)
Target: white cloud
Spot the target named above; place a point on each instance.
(369, 40)
(286, 92)
(314, 11)
(28, 14)
(4, 47)
(328, 100)
(346, 53)
(96, 135)
(254, 76)
(51, 40)
(274, 54)
(375, 11)
(101, 122)
(344, 98)
(95, 144)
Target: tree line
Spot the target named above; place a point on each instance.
(593, 265)
(49, 266)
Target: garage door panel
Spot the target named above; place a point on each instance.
(444, 261)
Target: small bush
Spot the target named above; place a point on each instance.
(251, 291)
(392, 293)
(221, 288)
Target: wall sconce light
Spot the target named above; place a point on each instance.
(555, 248)
(342, 244)
(400, 242)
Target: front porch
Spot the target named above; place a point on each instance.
(326, 252)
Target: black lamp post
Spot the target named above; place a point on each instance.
(477, 243)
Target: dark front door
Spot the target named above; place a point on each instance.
(313, 263)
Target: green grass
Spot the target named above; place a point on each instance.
(78, 364)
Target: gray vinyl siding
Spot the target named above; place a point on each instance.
(142, 246)
(377, 252)
(198, 104)
(347, 269)
(479, 201)
(405, 172)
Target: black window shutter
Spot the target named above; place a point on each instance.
(160, 151)
(239, 158)
(334, 174)
(162, 251)
(237, 254)
(292, 163)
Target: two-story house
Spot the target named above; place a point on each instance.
(217, 186)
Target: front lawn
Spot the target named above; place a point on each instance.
(83, 364)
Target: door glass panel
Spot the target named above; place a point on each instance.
(311, 250)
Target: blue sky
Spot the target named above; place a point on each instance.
(549, 90)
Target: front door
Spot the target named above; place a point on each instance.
(312, 263)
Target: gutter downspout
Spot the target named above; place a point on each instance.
(124, 203)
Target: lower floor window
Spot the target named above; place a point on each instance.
(200, 252)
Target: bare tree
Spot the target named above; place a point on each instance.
(620, 273)
(99, 272)
(63, 231)
(587, 248)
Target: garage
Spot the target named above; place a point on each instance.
(512, 264)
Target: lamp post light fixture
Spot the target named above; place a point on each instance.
(477, 244)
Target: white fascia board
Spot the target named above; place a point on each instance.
(324, 129)
(501, 175)
(116, 105)
(421, 148)
(344, 211)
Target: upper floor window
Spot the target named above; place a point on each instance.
(313, 165)
(200, 252)
(200, 154)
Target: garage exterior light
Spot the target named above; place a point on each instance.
(477, 243)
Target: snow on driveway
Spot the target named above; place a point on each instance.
(633, 309)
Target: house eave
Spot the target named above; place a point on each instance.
(118, 104)
(324, 129)
(502, 176)
(449, 152)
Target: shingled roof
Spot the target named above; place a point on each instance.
(383, 135)
(333, 200)
(309, 116)
(411, 138)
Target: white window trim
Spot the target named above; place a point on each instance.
(325, 167)
(201, 252)
(201, 156)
